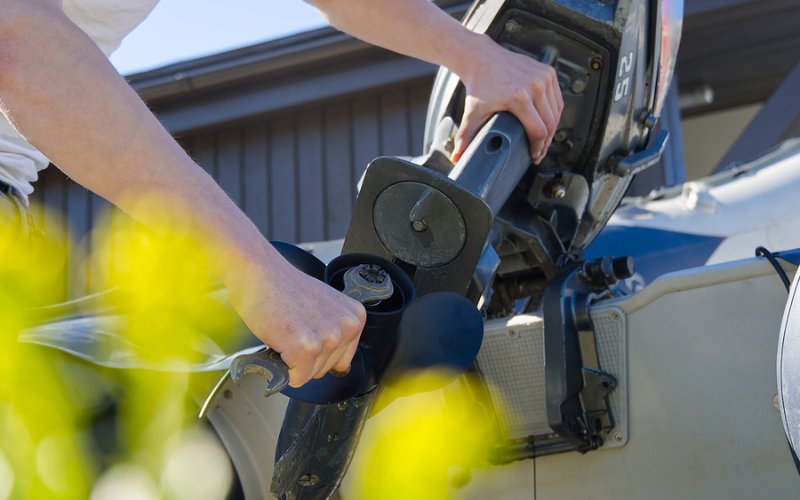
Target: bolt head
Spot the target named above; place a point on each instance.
(419, 226)
(308, 480)
(512, 27)
(596, 63)
(578, 86)
(557, 190)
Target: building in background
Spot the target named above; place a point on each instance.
(288, 126)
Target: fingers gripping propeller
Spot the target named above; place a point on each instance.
(442, 329)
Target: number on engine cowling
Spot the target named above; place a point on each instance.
(625, 65)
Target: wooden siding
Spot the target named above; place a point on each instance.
(742, 49)
(295, 173)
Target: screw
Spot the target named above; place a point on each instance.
(227, 394)
(512, 333)
(419, 226)
(342, 406)
(308, 480)
(560, 136)
(449, 144)
(512, 27)
(596, 63)
(615, 316)
(618, 437)
(578, 86)
(557, 190)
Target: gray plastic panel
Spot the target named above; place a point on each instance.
(511, 360)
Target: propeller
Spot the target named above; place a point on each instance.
(299, 258)
(441, 330)
(333, 388)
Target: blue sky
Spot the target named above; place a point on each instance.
(184, 29)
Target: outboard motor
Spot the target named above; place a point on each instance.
(509, 235)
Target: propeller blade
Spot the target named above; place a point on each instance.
(300, 259)
(332, 388)
(440, 330)
(100, 340)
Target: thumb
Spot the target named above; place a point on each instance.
(470, 124)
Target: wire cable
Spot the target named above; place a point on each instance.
(763, 252)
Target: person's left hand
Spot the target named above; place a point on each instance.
(498, 80)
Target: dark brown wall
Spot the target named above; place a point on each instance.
(294, 173)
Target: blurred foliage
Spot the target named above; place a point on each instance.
(69, 429)
(51, 445)
(423, 446)
(40, 443)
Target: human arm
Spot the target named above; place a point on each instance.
(496, 79)
(61, 93)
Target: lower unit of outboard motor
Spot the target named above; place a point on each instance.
(502, 232)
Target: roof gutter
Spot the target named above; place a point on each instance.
(264, 60)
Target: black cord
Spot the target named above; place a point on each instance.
(534, 472)
(763, 252)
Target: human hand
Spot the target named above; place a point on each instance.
(314, 327)
(496, 80)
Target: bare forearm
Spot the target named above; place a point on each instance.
(496, 79)
(60, 92)
(415, 28)
(66, 99)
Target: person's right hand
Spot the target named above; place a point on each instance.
(314, 327)
(497, 79)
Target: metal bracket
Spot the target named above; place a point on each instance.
(576, 387)
(642, 160)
